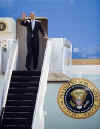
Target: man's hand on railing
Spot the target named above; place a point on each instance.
(45, 37)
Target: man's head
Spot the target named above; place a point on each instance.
(32, 15)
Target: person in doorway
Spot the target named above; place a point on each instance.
(33, 27)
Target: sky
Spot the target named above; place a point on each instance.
(76, 20)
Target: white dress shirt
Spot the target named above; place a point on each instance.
(33, 24)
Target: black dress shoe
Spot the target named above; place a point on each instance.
(34, 68)
(28, 69)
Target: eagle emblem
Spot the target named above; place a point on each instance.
(79, 98)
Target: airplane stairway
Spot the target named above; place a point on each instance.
(21, 99)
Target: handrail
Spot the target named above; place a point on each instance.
(38, 113)
(10, 67)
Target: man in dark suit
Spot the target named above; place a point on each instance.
(33, 27)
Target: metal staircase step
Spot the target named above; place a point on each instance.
(20, 97)
(23, 90)
(22, 94)
(17, 121)
(20, 103)
(19, 109)
(26, 73)
(25, 79)
(18, 114)
(26, 84)
(16, 126)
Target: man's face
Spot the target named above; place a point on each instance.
(32, 16)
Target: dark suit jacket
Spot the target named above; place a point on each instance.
(33, 32)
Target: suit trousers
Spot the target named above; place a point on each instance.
(32, 53)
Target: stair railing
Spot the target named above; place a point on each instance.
(38, 117)
(11, 65)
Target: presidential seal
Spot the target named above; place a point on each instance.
(3, 26)
(79, 98)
